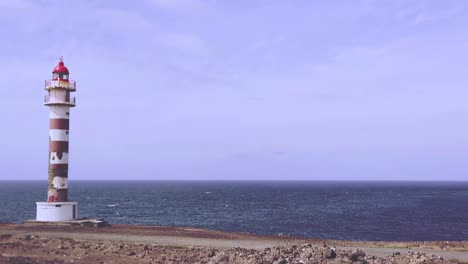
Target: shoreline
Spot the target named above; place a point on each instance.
(166, 238)
(181, 230)
(196, 232)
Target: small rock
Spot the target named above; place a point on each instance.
(211, 253)
(357, 254)
(221, 258)
(280, 261)
(5, 236)
(62, 247)
(330, 253)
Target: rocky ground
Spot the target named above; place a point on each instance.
(26, 245)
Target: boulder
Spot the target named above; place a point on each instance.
(357, 254)
(330, 253)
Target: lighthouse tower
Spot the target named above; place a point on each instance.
(59, 101)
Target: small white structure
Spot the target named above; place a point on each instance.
(56, 211)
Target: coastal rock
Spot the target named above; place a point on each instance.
(5, 236)
(280, 261)
(211, 253)
(221, 257)
(62, 247)
(287, 250)
(57, 250)
(330, 253)
(357, 254)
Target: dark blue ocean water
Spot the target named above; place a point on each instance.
(336, 210)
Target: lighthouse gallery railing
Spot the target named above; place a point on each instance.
(52, 100)
(61, 83)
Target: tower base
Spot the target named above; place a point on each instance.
(56, 211)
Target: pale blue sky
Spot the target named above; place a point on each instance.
(187, 89)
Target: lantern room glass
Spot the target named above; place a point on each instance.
(60, 76)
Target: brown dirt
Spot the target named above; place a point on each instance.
(154, 244)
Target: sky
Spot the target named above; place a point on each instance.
(240, 90)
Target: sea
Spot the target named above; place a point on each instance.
(390, 211)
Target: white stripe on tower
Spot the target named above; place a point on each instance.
(59, 158)
(60, 182)
(59, 112)
(58, 135)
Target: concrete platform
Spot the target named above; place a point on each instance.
(88, 222)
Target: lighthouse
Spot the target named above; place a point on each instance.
(59, 100)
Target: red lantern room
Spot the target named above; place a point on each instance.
(60, 72)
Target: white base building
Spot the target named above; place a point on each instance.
(56, 211)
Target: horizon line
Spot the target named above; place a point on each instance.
(249, 180)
